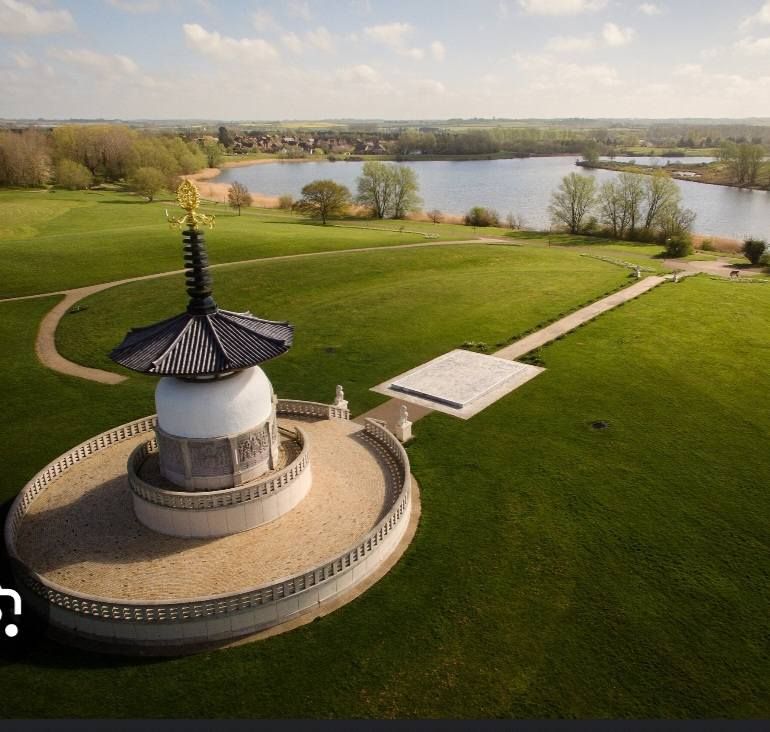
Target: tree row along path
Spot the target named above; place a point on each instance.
(45, 343)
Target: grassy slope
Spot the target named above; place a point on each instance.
(71, 239)
(363, 317)
(557, 571)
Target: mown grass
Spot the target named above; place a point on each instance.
(50, 241)
(362, 317)
(557, 570)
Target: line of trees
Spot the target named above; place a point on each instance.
(744, 162)
(633, 207)
(78, 156)
(386, 190)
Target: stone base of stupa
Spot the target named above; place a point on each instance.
(100, 577)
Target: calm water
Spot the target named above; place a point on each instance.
(522, 186)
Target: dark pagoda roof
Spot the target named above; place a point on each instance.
(195, 345)
(205, 340)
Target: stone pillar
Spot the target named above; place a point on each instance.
(403, 429)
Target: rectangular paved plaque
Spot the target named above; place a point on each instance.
(458, 378)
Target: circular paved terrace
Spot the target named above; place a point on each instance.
(83, 535)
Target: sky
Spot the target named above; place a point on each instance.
(383, 59)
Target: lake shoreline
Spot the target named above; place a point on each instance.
(212, 190)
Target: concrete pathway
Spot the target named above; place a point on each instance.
(45, 343)
(389, 411)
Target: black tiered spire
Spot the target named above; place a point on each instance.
(204, 340)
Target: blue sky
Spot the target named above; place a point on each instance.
(316, 59)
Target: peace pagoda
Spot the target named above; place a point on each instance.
(228, 512)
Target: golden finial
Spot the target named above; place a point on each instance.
(189, 200)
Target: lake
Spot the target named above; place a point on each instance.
(521, 185)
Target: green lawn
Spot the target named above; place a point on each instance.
(362, 317)
(557, 570)
(61, 239)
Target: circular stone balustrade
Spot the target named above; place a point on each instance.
(208, 591)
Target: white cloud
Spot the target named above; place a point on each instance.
(321, 39)
(561, 7)
(224, 48)
(298, 9)
(566, 44)
(389, 34)
(292, 42)
(753, 46)
(262, 20)
(438, 50)
(688, 70)
(761, 17)
(136, 7)
(430, 86)
(548, 73)
(19, 18)
(650, 9)
(103, 63)
(23, 60)
(614, 35)
(359, 74)
(394, 36)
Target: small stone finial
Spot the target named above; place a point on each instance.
(403, 416)
(339, 398)
(189, 200)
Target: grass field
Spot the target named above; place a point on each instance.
(558, 571)
(64, 239)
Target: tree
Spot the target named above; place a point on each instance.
(388, 189)
(435, 216)
(679, 245)
(225, 140)
(238, 195)
(323, 199)
(591, 152)
(72, 175)
(405, 196)
(753, 249)
(213, 152)
(23, 158)
(148, 182)
(571, 202)
(661, 194)
(632, 194)
(285, 200)
(743, 160)
(481, 216)
(375, 189)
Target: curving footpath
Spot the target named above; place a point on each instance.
(45, 343)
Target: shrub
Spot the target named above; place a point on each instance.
(753, 249)
(435, 216)
(286, 200)
(72, 175)
(707, 245)
(764, 260)
(679, 245)
(481, 216)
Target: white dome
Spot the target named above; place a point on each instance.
(214, 408)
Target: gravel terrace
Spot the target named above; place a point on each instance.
(81, 533)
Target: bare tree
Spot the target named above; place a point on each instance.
(238, 195)
(661, 193)
(572, 200)
(435, 216)
(23, 158)
(375, 190)
(405, 187)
